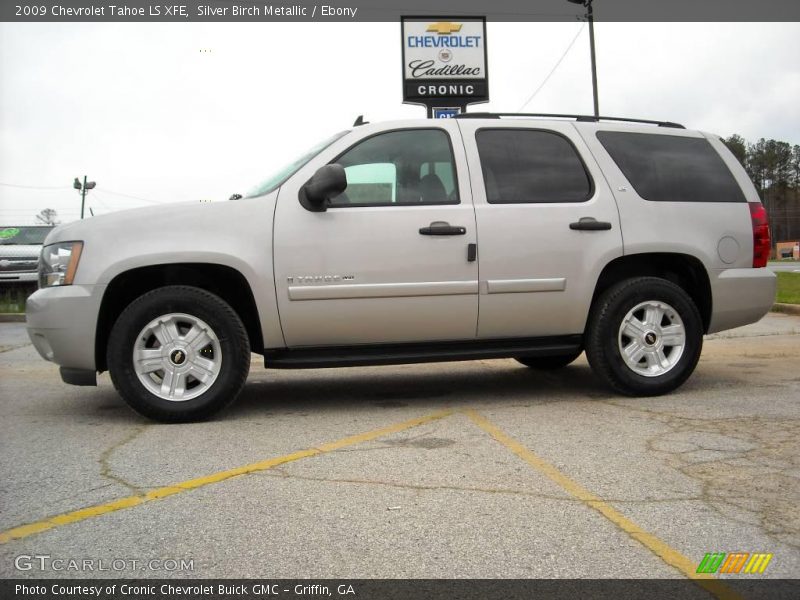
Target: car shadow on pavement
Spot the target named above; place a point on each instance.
(426, 386)
(452, 385)
(302, 392)
(413, 385)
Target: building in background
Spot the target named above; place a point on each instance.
(786, 250)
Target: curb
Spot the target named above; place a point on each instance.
(12, 317)
(787, 309)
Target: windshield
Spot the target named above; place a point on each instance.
(23, 235)
(277, 179)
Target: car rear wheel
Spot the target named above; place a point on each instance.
(178, 353)
(548, 363)
(644, 336)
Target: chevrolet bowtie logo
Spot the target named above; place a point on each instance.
(444, 27)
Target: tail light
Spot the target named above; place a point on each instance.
(762, 245)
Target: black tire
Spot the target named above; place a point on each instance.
(233, 343)
(548, 363)
(603, 336)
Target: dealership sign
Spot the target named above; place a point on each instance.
(444, 61)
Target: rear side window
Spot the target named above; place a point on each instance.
(531, 166)
(669, 168)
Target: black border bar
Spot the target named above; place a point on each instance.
(391, 10)
(751, 587)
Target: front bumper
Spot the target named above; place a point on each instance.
(62, 321)
(740, 297)
(19, 277)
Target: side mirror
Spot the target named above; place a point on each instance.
(328, 182)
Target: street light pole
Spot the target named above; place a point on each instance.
(83, 195)
(83, 189)
(590, 18)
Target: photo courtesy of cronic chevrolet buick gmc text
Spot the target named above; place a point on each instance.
(484, 236)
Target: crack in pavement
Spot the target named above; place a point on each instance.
(721, 336)
(278, 473)
(281, 473)
(14, 347)
(726, 456)
(106, 470)
(83, 492)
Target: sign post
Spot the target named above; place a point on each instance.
(444, 63)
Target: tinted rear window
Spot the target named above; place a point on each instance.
(669, 168)
(531, 166)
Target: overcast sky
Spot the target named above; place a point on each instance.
(142, 111)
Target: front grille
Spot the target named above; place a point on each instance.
(18, 265)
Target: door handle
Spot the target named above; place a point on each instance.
(590, 224)
(442, 228)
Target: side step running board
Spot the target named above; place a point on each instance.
(390, 354)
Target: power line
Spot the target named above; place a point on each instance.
(553, 70)
(35, 187)
(33, 207)
(127, 196)
(43, 187)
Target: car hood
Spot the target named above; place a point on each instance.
(164, 219)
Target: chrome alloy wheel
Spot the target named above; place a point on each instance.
(177, 357)
(651, 338)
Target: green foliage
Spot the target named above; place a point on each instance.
(774, 168)
(788, 288)
(738, 146)
(12, 297)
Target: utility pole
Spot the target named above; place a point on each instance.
(590, 18)
(83, 189)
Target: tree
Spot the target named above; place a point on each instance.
(796, 166)
(756, 164)
(774, 168)
(48, 216)
(738, 146)
(780, 162)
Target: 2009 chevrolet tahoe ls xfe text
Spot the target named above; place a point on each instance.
(476, 237)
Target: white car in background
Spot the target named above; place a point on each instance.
(20, 247)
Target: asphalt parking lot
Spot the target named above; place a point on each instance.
(480, 469)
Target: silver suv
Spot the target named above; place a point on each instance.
(488, 236)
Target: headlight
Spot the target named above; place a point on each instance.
(58, 263)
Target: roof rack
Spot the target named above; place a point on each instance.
(589, 118)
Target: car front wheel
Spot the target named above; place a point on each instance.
(644, 336)
(178, 353)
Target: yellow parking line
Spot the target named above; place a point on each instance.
(660, 548)
(82, 514)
